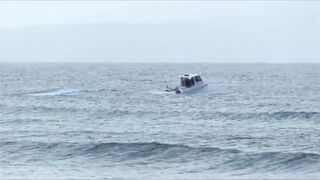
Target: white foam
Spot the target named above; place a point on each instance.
(57, 92)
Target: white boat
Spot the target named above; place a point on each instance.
(189, 83)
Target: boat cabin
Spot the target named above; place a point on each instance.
(189, 80)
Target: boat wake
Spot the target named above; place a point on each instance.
(160, 92)
(62, 92)
(209, 90)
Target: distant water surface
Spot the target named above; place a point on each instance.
(116, 121)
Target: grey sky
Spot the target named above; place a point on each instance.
(250, 31)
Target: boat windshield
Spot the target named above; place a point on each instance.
(198, 78)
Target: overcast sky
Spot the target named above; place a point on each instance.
(285, 31)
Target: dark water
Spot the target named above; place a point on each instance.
(115, 121)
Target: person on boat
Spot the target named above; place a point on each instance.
(192, 82)
(188, 83)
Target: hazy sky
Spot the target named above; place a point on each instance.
(297, 21)
(26, 13)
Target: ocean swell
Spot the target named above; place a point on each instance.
(154, 152)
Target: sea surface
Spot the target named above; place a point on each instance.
(116, 121)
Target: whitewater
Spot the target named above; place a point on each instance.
(116, 121)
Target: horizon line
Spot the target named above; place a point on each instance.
(159, 62)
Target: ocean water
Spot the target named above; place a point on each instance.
(116, 121)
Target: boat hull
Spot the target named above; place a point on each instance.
(180, 90)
